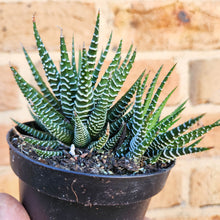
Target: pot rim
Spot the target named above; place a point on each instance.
(95, 189)
(159, 171)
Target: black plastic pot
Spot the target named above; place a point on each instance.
(51, 193)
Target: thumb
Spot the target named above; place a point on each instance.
(11, 209)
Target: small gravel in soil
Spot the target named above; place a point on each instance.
(86, 161)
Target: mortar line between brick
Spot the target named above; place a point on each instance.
(183, 54)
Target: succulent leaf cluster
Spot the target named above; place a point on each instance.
(80, 111)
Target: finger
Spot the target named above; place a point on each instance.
(11, 209)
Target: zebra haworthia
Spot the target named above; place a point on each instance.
(78, 108)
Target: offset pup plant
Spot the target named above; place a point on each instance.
(77, 117)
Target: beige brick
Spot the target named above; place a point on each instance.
(8, 90)
(205, 81)
(4, 148)
(211, 139)
(71, 16)
(168, 25)
(8, 181)
(205, 187)
(171, 193)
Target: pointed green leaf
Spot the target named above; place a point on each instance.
(170, 154)
(52, 144)
(74, 60)
(79, 62)
(119, 76)
(100, 63)
(47, 154)
(192, 135)
(122, 150)
(68, 85)
(91, 55)
(111, 68)
(149, 95)
(117, 110)
(99, 144)
(111, 143)
(169, 136)
(156, 115)
(158, 92)
(84, 96)
(143, 86)
(36, 119)
(47, 93)
(50, 69)
(138, 150)
(81, 134)
(115, 126)
(137, 117)
(97, 119)
(54, 121)
(34, 132)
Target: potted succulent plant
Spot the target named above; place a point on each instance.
(85, 156)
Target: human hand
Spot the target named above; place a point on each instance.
(11, 209)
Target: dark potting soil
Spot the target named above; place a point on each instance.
(86, 161)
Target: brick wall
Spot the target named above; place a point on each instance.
(164, 32)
